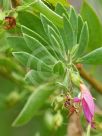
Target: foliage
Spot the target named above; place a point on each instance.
(41, 55)
(95, 26)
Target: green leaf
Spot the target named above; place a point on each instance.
(56, 43)
(35, 35)
(30, 61)
(74, 52)
(63, 2)
(18, 43)
(39, 51)
(34, 103)
(50, 14)
(80, 25)
(46, 22)
(58, 38)
(83, 40)
(60, 9)
(59, 68)
(73, 18)
(37, 77)
(97, 5)
(47, 43)
(49, 27)
(95, 27)
(68, 36)
(94, 57)
(64, 84)
(39, 6)
(32, 22)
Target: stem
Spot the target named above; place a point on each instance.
(74, 126)
(88, 130)
(96, 84)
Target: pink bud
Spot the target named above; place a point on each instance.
(87, 103)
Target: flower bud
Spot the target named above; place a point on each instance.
(57, 120)
(49, 120)
(12, 99)
(53, 121)
(75, 77)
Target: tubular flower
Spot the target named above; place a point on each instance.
(87, 104)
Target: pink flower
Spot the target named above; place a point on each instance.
(87, 103)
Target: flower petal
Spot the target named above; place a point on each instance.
(86, 95)
(76, 99)
(86, 110)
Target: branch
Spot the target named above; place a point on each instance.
(74, 126)
(96, 84)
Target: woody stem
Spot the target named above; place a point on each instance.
(96, 84)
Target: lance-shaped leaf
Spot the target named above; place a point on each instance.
(68, 35)
(95, 27)
(80, 25)
(31, 61)
(59, 68)
(43, 41)
(38, 77)
(32, 22)
(54, 2)
(94, 57)
(18, 44)
(65, 82)
(83, 40)
(46, 22)
(60, 9)
(50, 14)
(34, 103)
(73, 18)
(32, 33)
(56, 42)
(38, 50)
